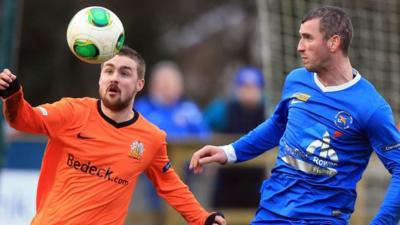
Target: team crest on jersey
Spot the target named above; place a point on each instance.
(301, 96)
(343, 119)
(137, 150)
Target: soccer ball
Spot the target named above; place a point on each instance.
(95, 34)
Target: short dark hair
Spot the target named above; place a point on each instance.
(131, 53)
(333, 21)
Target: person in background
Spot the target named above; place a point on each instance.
(244, 109)
(166, 106)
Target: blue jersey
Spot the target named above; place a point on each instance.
(181, 120)
(326, 136)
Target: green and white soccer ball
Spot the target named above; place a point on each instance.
(95, 34)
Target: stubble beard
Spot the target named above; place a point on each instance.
(116, 104)
(310, 68)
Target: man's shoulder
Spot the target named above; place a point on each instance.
(76, 103)
(366, 85)
(84, 100)
(298, 78)
(298, 74)
(367, 92)
(150, 127)
(83, 104)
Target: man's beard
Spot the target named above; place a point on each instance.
(116, 104)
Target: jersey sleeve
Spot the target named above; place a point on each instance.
(385, 140)
(45, 119)
(266, 135)
(170, 187)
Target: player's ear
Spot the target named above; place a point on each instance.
(140, 85)
(334, 43)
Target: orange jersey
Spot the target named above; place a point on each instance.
(91, 163)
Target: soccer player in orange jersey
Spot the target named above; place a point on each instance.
(96, 150)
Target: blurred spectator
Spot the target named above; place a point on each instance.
(167, 107)
(240, 112)
(244, 109)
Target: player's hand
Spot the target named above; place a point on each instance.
(205, 155)
(6, 78)
(216, 218)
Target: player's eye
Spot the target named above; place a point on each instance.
(125, 73)
(108, 71)
(307, 37)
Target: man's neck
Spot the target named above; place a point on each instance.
(337, 73)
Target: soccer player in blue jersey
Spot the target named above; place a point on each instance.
(328, 122)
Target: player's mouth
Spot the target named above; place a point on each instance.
(113, 89)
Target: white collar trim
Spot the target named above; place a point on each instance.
(338, 87)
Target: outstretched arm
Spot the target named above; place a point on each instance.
(7, 84)
(14, 103)
(171, 188)
(256, 142)
(46, 119)
(207, 154)
(385, 139)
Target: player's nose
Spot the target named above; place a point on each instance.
(115, 76)
(300, 46)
